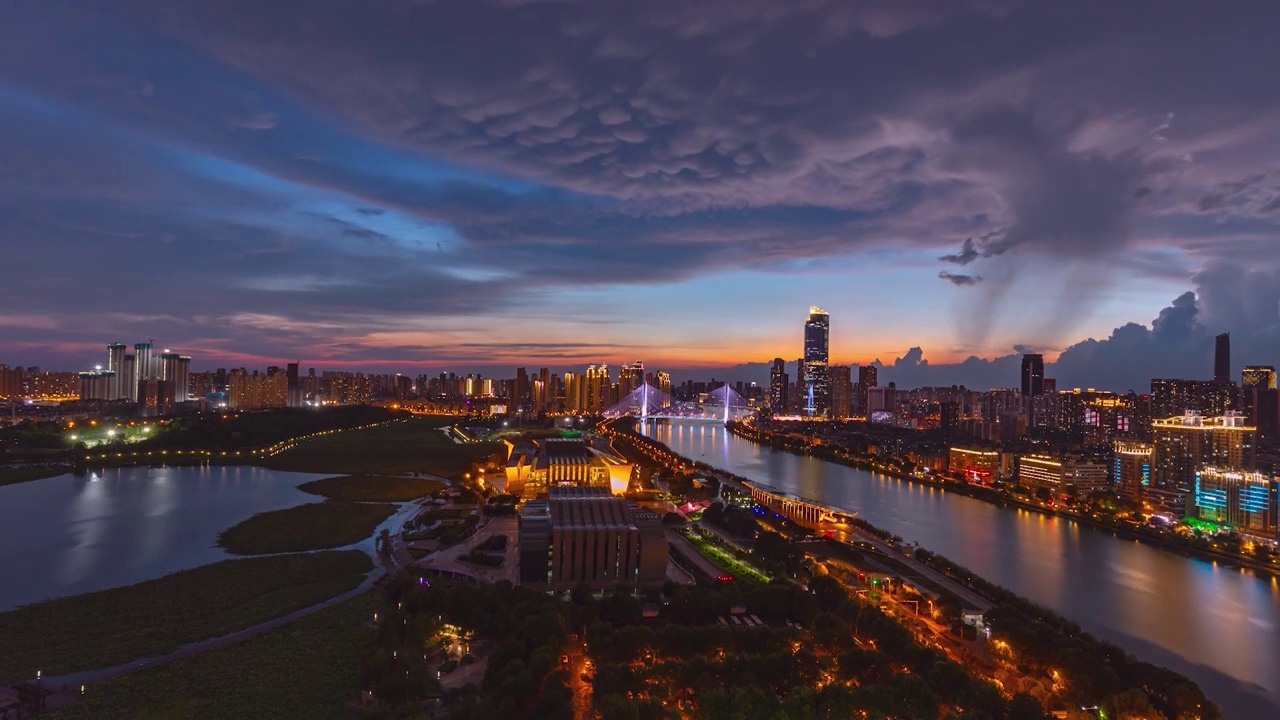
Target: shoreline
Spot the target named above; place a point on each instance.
(993, 497)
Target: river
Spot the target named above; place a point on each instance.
(71, 534)
(1218, 626)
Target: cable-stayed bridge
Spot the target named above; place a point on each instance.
(648, 402)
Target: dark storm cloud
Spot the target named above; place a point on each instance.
(958, 279)
(360, 165)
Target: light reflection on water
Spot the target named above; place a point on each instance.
(68, 535)
(1219, 626)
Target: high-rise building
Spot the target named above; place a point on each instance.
(779, 385)
(572, 392)
(1222, 358)
(1171, 396)
(841, 391)
(1032, 375)
(176, 370)
(949, 418)
(145, 364)
(1260, 399)
(630, 378)
(1131, 468)
(295, 387)
(664, 381)
(129, 381)
(1184, 444)
(520, 390)
(1240, 499)
(115, 363)
(867, 379)
(1252, 376)
(97, 384)
(1057, 474)
(817, 379)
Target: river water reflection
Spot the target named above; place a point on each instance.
(68, 535)
(1218, 626)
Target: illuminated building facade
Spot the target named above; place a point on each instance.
(867, 379)
(1057, 474)
(1244, 500)
(974, 465)
(98, 384)
(816, 375)
(630, 377)
(663, 381)
(1132, 468)
(115, 363)
(1185, 443)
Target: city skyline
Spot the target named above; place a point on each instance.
(990, 180)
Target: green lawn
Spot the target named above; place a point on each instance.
(416, 445)
(13, 474)
(308, 668)
(723, 559)
(106, 628)
(314, 526)
(372, 488)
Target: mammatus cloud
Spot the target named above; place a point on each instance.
(404, 169)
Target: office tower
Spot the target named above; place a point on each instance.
(129, 381)
(543, 396)
(841, 391)
(817, 380)
(115, 363)
(1132, 467)
(1184, 444)
(867, 379)
(1032, 375)
(630, 377)
(779, 383)
(1222, 358)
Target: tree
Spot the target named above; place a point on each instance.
(1024, 707)
(829, 592)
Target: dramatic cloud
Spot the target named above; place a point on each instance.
(407, 180)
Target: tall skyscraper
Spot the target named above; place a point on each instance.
(115, 363)
(1222, 358)
(867, 379)
(663, 380)
(630, 377)
(779, 383)
(817, 379)
(129, 383)
(145, 366)
(295, 387)
(1032, 375)
(841, 391)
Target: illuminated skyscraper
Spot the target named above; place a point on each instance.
(630, 377)
(817, 379)
(145, 365)
(663, 381)
(1222, 358)
(779, 384)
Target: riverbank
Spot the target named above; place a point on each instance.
(1094, 672)
(314, 526)
(996, 497)
(111, 627)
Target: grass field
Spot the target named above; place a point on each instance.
(13, 474)
(106, 628)
(416, 445)
(308, 668)
(314, 526)
(723, 559)
(372, 488)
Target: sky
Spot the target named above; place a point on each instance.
(427, 185)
